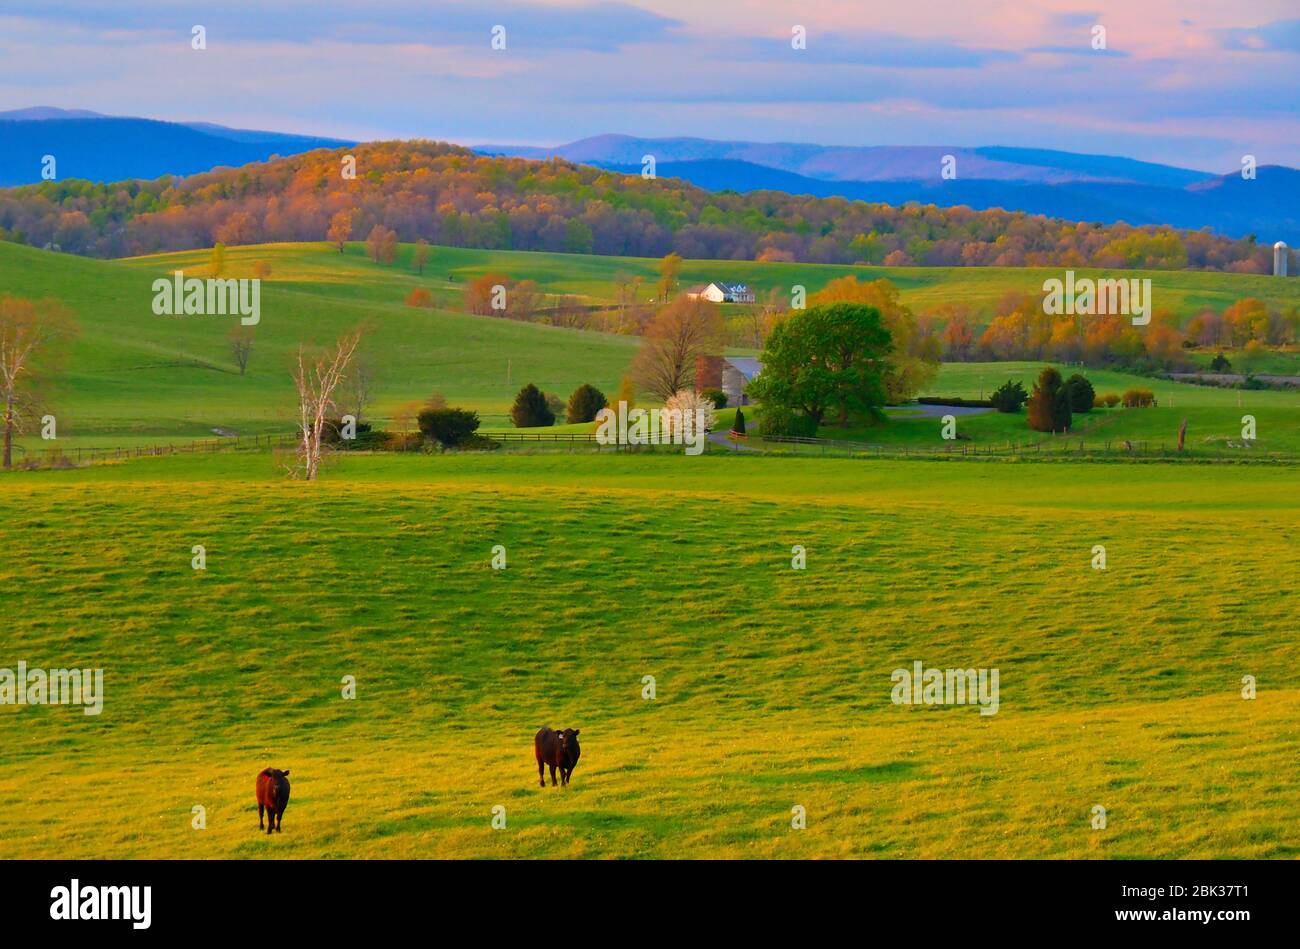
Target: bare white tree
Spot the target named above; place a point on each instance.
(317, 376)
(28, 333)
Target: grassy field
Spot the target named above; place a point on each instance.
(1214, 416)
(1119, 688)
(136, 378)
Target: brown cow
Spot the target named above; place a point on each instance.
(272, 797)
(559, 749)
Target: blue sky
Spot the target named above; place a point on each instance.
(1197, 83)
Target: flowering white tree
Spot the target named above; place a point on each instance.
(317, 376)
(695, 409)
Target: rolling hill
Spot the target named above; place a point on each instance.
(138, 378)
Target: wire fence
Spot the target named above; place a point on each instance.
(1059, 447)
(62, 457)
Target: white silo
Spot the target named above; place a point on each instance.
(1279, 259)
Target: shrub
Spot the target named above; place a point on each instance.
(1009, 397)
(718, 397)
(331, 433)
(1138, 398)
(530, 409)
(448, 427)
(738, 426)
(1049, 406)
(1220, 363)
(585, 402)
(401, 441)
(555, 404)
(1110, 399)
(419, 296)
(1082, 395)
(781, 421)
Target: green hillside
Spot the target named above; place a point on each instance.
(134, 374)
(139, 378)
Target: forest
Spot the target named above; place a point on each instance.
(448, 195)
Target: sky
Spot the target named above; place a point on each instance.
(1195, 83)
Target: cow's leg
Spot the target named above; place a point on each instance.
(552, 775)
(278, 817)
(541, 771)
(261, 809)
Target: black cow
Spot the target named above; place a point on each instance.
(559, 749)
(272, 797)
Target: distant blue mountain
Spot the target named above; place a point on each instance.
(1268, 206)
(105, 148)
(1101, 188)
(869, 162)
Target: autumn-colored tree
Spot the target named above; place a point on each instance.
(419, 296)
(239, 228)
(488, 295)
(1247, 319)
(682, 331)
(381, 244)
(669, 269)
(523, 299)
(420, 256)
(626, 392)
(33, 340)
(261, 269)
(217, 260)
(958, 331)
(340, 229)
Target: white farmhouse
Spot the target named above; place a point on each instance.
(721, 293)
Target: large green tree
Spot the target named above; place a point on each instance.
(827, 358)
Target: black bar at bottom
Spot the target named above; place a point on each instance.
(336, 898)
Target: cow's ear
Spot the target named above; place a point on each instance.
(576, 730)
(285, 772)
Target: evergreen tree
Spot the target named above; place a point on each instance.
(1082, 395)
(738, 427)
(1049, 405)
(530, 409)
(585, 402)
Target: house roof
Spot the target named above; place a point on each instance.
(745, 365)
